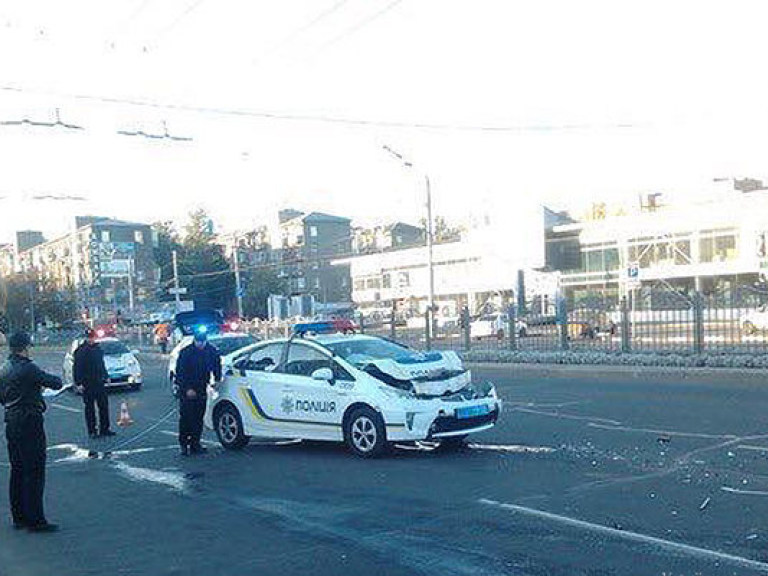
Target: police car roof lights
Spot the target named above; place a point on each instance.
(321, 327)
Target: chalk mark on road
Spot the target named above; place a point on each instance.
(695, 551)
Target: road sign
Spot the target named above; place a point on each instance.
(633, 275)
(175, 291)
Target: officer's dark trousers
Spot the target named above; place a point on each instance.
(92, 398)
(26, 450)
(191, 414)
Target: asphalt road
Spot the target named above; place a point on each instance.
(583, 475)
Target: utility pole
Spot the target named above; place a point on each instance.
(430, 238)
(177, 293)
(431, 263)
(238, 284)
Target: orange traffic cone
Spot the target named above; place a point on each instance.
(125, 417)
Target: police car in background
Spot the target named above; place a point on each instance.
(354, 388)
(121, 363)
(225, 342)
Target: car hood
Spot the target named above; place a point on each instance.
(430, 374)
(117, 362)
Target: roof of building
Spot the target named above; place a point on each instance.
(322, 217)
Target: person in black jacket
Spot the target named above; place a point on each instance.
(196, 363)
(90, 375)
(21, 383)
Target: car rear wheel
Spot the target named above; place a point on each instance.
(365, 433)
(500, 334)
(229, 428)
(749, 328)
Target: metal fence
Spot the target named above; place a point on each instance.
(695, 325)
(667, 322)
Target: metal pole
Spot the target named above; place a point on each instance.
(393, 315)
(626, 337)
(428, 331)
(177, 296)
(130, 287)
(238, 285)
(32, 323)
(430, 256)
(512, 327)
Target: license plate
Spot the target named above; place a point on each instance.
(472, 411)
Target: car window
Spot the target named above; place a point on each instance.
(113, 348)
(264, 359)
(303, 360)
(226, 346)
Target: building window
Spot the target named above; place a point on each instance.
(301, 283)
(718, 249)
(386, 281)
(313, 231)
(138, 236)
(403, 279)
(359, 285)
(105, 236)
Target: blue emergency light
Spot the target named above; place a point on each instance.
(302, 328)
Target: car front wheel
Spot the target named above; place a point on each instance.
(229, 428)
(365, 433)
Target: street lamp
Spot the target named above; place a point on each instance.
(430, 256)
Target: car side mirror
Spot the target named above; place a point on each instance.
(324, 374)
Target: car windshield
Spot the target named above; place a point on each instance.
(359, 351)
(226, 346)
(113, 348)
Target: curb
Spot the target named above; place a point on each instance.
(625, 371)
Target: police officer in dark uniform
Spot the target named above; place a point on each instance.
(196, 363)
(90, 374)
(21, 383)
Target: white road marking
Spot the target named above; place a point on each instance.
(744, 492)
(177, 481)
(513, 448)
(695, 551)
(660, 432)
(66, 408)
(565, 416)
(753, 448)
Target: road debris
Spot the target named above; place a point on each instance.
(704, 504)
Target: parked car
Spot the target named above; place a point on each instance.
(495, 325)
(362, 390)
(122, 364)
(755, 321)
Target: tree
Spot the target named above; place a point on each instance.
(442, 232)
(259, 284)
(203, 268)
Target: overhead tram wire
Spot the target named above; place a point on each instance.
(301, 30)
(310, 118)
(362, 24)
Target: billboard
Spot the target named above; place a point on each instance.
(115, 259)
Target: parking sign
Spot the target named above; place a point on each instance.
(633, 275)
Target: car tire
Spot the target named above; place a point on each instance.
(522, 333)
(749, 328)
(365, 433)
(229, 428)
(135, 387)
(500, 334)
(453, 444)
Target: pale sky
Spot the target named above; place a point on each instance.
(599, 100)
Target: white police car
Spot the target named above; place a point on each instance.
(359, 389)
(121, 363)
(225, 342)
